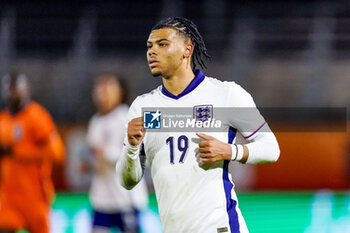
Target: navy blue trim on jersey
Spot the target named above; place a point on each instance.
(107, 219)
(228, 186)
(231, 134)
(194, 83)
(142, 149)
(116, 219)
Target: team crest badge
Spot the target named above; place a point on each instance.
(203, 112)
(17, 133)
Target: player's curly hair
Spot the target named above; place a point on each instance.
(188, 29)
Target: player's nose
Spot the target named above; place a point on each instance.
(151, 52)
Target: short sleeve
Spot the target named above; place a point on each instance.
(244, 115)
(44, 124)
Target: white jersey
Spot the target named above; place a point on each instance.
(106, 193)
(194, 197)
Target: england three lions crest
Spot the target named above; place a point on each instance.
(203, 112)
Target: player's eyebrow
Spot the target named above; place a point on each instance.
(158, 41)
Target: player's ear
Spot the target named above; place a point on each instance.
(188, 50)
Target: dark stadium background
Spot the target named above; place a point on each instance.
(288, 54)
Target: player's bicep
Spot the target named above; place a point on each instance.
(56, 147)
(43, 126)
(245, 117)
(46, 135)
(134, 111)
(250, 123)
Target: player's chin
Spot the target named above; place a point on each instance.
(155, 72)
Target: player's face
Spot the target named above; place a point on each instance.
(107, 95)
(13, 98)
(16, 95)
(165, 53)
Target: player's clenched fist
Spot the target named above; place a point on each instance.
(212, 149)
(136, 132)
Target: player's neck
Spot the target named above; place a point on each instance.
(178, 82)
(15, 109)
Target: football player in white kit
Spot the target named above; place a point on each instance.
(113, 205)
(193, 186)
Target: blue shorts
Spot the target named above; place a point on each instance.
(125, 221)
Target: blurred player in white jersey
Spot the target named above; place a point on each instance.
(193, 187)
(113, 205)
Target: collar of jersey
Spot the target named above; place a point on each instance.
(194, 83)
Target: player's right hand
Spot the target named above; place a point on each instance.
(136, 132)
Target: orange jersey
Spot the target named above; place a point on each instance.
(26, 173)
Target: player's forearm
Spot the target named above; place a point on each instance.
(263, 149)
(129, 167)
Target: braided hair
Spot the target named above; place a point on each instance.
(188, 29)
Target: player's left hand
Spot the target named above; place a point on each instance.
(212, 149)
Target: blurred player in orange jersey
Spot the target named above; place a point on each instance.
(29, 144)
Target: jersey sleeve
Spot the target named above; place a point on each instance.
(44, 125)
(46, 134)
(244, 115)
(134, 110)
(45, 141)
(130, 168)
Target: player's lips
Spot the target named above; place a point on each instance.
(152, 63)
